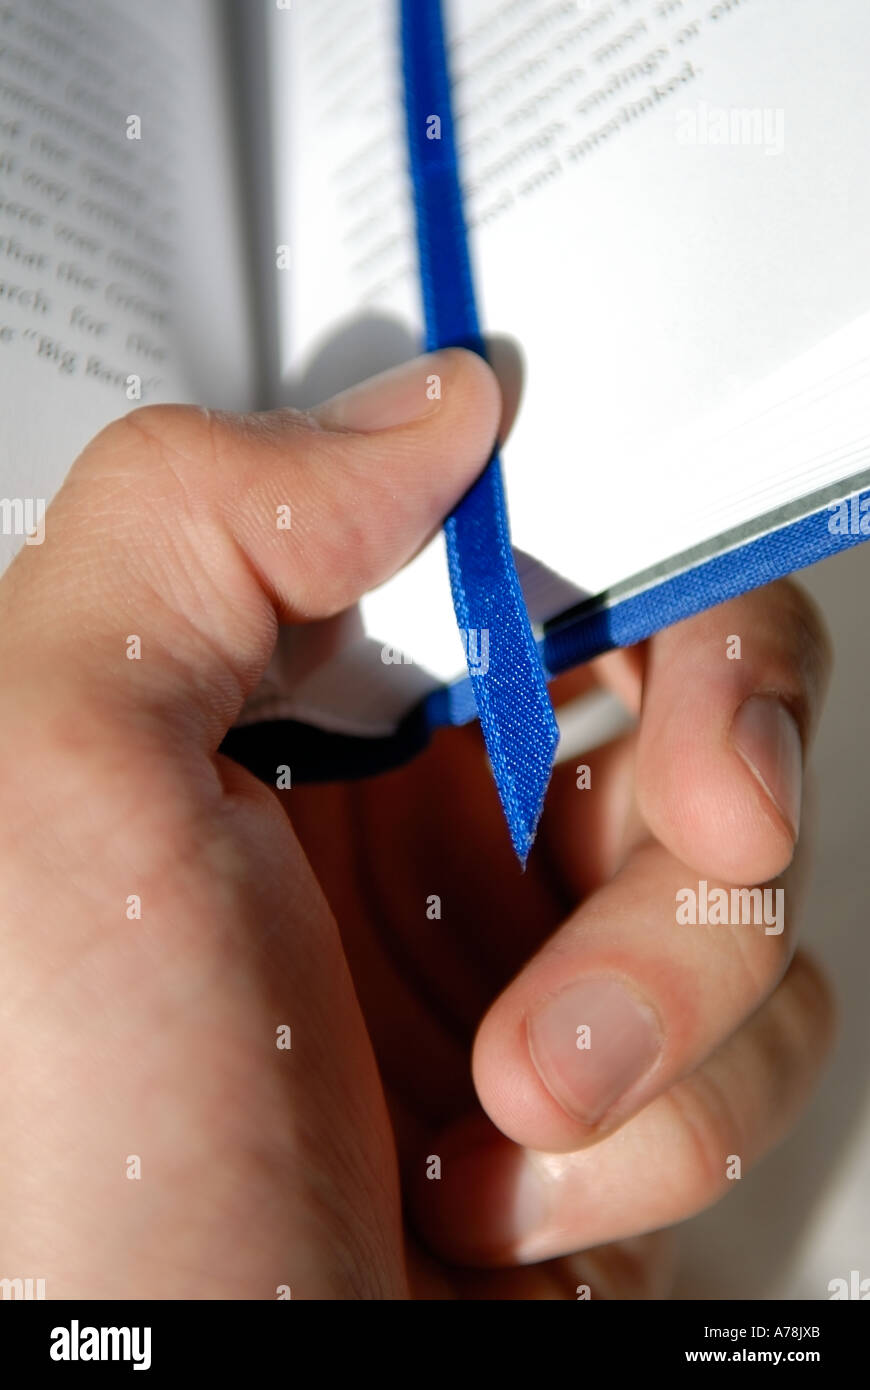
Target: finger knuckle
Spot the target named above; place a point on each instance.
(807, 631)
(713, 1130)
(762, 958)
(159, 446)
(807, 1007)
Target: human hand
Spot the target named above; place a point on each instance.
(156, 1037)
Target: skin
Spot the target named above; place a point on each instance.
(263, 1167)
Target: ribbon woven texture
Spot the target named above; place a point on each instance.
(507, 677)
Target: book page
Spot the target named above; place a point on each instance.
(667, 202)
(122, 265)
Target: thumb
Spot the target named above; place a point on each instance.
(197, 532)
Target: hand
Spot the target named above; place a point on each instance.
(152, 1040)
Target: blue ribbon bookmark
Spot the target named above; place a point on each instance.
(507, 677)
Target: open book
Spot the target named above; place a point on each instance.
(667, 204)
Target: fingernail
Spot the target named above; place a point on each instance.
(591, 1043)
(405, 393)
(767, 739)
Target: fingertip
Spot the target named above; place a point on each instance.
(730, 701)
(511, 1089)
(449, 379)
(470, 391)
(487, 1201)
(707, 804)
